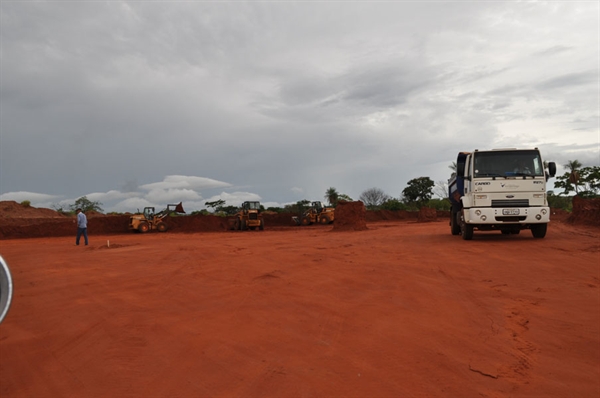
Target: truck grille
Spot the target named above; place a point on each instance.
(510, 203)
(253, 216)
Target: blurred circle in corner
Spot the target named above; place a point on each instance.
(6, 288)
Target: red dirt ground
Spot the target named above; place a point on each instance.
(399, 309)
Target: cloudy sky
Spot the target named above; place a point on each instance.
(138, 103)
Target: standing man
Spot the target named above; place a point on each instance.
(81, 227)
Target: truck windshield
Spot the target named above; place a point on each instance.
(507, 163)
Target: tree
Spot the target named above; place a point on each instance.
(573, 167)
(332, 195)
(418, 191)
(86, 205)
(453, 167)
(393, 204)
(216, 205)
(344, 197)
(441, 189)
(588, 178)
(299, 207)
(229, 209)
(373, 198)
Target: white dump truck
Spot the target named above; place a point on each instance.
(500, 189)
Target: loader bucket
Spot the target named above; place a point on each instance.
(179, 208)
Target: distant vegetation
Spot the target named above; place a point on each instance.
(583, 181)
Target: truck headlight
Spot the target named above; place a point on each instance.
(477, 212)
(544, 211)
(480, 196)
(538, 195)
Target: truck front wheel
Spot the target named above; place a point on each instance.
(539, 230)
(467, 232)
(466, 229)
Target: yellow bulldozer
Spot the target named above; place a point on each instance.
(248, 217)
(316, 214)
(149, 220)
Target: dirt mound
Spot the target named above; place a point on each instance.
(12, 209)
(585, 211)
(350, 216)
(427, 214)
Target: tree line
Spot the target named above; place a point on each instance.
(583, 181)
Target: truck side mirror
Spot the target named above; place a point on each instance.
(552, 169)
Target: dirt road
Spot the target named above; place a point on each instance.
(402, 309)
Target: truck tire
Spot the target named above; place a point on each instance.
(262, 225)
(143, 227)
(243, 226)
(454, 225)
(466, 229)
(324, 220)
(467, 232)
(539, 230)
(161, 227)
(306, 221)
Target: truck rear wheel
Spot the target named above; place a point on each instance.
(454, 225)
(539, 230)
(243, 225)
(262, 225)
(324, 220)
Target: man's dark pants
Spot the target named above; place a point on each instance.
(81, 231)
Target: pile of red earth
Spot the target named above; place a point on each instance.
(585, 211)
(22, 221)
(350, 216)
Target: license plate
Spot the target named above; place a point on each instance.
(510, 212)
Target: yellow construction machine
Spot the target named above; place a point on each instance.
(248, 217)
(149, 220)
(316, 214)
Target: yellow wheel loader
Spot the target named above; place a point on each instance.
(149, 220)
(248, 217)
(316, 214)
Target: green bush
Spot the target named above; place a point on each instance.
(26, 203)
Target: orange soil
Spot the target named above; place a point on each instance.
(398, 309)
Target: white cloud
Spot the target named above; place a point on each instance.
(184, 182)
(33, 197)
(172, 195)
